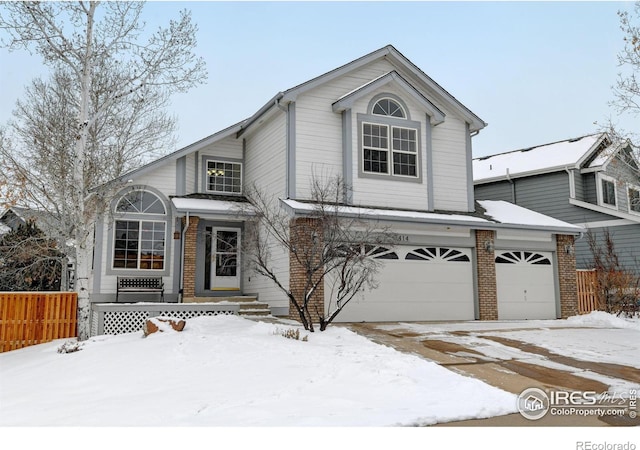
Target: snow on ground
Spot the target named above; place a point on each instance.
(229, 371)
(598, 337)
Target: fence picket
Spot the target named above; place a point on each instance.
(587, 292)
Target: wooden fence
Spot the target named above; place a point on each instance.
(29, 318)
(587, 292)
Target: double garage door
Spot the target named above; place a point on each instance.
(437, 283)
(416, 284)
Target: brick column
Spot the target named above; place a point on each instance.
(303, 232)
(567, 275)
(486, 266)
(190, 263)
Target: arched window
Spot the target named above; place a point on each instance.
(140, 232)
(143, 202)
(388, 107)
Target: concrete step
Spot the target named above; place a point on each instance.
(254, 309)
(228, 299)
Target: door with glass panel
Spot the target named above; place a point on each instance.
(222, 268)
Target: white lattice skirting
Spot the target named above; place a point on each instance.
(111, 318)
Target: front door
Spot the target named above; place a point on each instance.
(224, 267)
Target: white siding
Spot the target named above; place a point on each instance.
(265, 165)
(163, 179)
(319, 147)
(228, 148)
(319, 129)
(191, 174)
(450, 165)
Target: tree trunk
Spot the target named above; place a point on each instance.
(82, 235)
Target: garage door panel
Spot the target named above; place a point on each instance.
(435, 284)
(525, 285)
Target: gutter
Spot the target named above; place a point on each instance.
(275, 101)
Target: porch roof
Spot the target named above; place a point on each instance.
(213, 207)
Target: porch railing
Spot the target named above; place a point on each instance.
(119, 318)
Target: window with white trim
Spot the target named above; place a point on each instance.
(389, 149)
(140, 242)
(633, 195)
(224, 177)
(607, 190)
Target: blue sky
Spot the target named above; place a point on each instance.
(537, 72)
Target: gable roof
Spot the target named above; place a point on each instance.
(398, 59)
(547, 158)
(393, 77)
(289, 95)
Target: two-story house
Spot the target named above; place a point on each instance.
(587, 181)
(403, 145)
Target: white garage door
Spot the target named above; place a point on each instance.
(525, 285)
(415, 284)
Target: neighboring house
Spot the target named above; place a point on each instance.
(586, 181)
(13, 217)
(403, 144)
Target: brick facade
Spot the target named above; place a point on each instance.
(303, 232)
(567, 275)
(486, 266)
(190, 263)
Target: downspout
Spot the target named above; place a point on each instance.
(572, 191)
(513, 188)
(182, 246)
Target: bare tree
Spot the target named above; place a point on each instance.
(618, 286)
(108, 82)
(328, 247)
(29, 260)
(626, 91)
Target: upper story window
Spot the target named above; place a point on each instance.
(224, 177)
(607, 191)
(140, 232)
(633, 193)
(389, 142)
(388, 107)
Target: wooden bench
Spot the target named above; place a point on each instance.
(145, 285)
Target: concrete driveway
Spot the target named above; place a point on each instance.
(510, 364)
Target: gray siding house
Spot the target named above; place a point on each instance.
(587, 181)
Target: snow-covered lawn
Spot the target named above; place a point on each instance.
(229, 371)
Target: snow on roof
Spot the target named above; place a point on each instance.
(508, 213)
(210, 206)
(544, 158)
(499, 214)
(4, 229)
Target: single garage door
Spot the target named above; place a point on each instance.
(415, 284)
(525, 285)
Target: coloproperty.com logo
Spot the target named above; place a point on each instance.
(535, 403)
